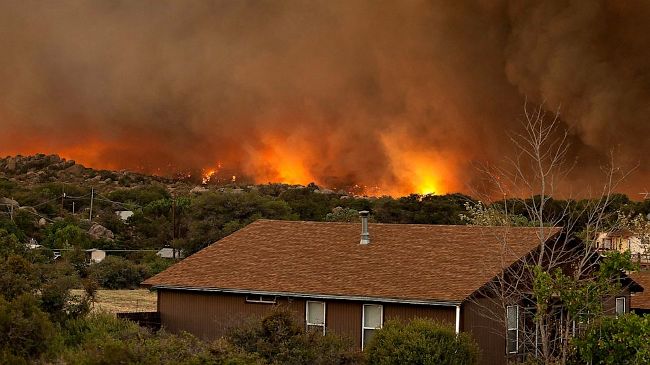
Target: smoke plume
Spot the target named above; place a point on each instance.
(403, 95)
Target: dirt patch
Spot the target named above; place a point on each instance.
(114, 301)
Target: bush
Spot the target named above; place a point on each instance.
(421, 341)
(279, 339)
(115, 272)
(25, 331)
(104, 339)
(615, 340)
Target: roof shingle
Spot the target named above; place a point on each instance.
(641, 300)
(403, 261)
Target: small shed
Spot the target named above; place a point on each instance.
(94, 255)
(170, 253)
(124, 214)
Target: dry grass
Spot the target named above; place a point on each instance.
(114, 301)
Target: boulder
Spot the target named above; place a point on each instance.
(99, 232)
(198, 190)
(9, 202)
(11, 164)
(76, 170)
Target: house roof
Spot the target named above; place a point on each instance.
(641, 300)
(402, 262)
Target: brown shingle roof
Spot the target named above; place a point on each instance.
(641, 300)
(403, 261)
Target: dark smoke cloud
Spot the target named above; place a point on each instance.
(178, 84)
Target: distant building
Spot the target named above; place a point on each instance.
(33, 244)
(124, 214)
(624, 240)
(170, 253)
(94, 255)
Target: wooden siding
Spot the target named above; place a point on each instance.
(476, 319)
(211, 315)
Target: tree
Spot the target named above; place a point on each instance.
(340, 214)
(215, 215)
(115, 272)
(564, 281)
(616, 341)
(421, 341)
(25, 331)
(66, 234)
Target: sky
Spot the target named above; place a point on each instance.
(399, 97)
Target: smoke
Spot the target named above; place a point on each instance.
(403, 95)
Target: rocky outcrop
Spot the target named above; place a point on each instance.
(43, 168)
(99, 232)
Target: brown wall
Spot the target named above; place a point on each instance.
(210, 315)
(477, 318)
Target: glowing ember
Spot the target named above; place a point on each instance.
(208, 174)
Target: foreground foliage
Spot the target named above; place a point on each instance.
(616, 340)
(421, 341)
(279, 338)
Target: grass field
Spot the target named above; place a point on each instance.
(114, 301)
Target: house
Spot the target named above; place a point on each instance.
(124, 214)
(640, 302)
(94, 255)
(624, 240)
(338, 281)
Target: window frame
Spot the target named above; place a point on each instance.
(363, 321)
(261, 299)
(624, 299)
(307, 324)
(515, 329)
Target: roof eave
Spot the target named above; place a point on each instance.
(444, 303)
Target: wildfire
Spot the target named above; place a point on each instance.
(208, 174)
(292, 162)
(286, 160)
(418, 172)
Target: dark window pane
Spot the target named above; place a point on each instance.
(367, 336)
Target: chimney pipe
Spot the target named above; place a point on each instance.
(365, 236)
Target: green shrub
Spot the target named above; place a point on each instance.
(25, 331)
(279, 339)
(420, 341)
(156, 264)
(104, 339)
(17, 276)
(115, 272)
(615, 340)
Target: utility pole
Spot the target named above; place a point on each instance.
(11, 208)
(174, 227)
(174, 218)
(92, 197)
(62, 198)
(72, 208)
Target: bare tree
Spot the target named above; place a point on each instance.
(544, 298)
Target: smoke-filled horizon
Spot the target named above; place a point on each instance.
(407, 96)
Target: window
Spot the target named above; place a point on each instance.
(372, 319)
(263, 299)
(512, 336)
(315, 316)
(620, 305)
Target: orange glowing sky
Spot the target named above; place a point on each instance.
(392, 97)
